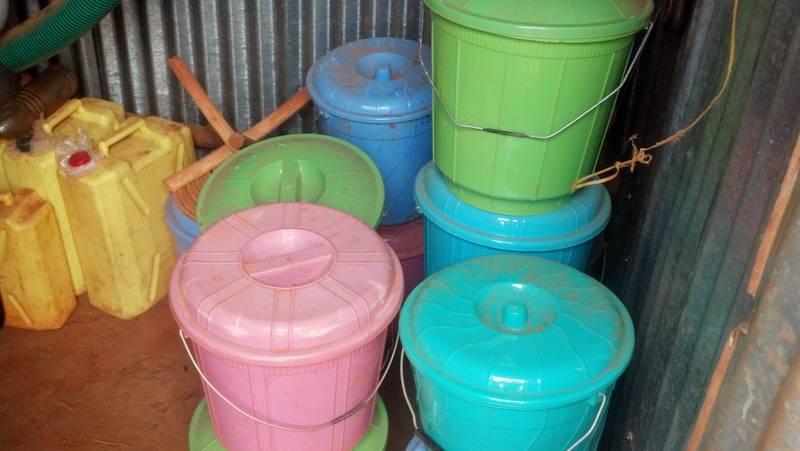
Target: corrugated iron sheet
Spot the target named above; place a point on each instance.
(685, 229)
(250, 55)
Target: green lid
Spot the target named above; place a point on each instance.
(550, 20)
(309, 168)
(516, 331)
(202, 437)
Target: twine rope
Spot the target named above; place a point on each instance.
(640, 155)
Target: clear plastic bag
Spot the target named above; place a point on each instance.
(75, 155)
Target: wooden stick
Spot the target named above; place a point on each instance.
(775, 220)
(712, 390)
(256, 132)
(279, 116)
(204, 103)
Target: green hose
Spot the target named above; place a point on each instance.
(55, 27)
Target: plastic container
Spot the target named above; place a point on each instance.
(287, 307)
(408, 242)
(98, 118)
(126, 250)
(373, 93)
(456, 231)
(40, 97)
(525, 67)
(202, 437)
(183, 229)
(37, 169)
(26, 169)
(513, 352)
(294, 168)
(35, 283)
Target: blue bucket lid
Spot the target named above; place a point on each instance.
(580, 220)
(517, 331)
(372, 80)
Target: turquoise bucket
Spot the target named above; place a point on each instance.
(456, 231)
(514, 352)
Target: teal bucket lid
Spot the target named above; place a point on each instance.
(548, 20)
(375, 80)
(307, 168)
(580, 220)
(203, 438)
(516, 332)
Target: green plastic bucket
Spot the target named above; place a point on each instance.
(508, 68)
(203, 438)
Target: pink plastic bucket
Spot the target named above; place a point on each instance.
(287, 307)
(407, 241)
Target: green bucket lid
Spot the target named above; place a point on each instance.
(202, 437)
(306, 168)
(550, 20)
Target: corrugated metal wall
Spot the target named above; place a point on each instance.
(685, 229)
(250, 55)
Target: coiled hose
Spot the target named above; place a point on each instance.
(43, 35)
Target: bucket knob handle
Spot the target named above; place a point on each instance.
(383, 72)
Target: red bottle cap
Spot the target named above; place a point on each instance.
(79, 158)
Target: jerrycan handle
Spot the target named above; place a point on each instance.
(134, 126)
(66, 110)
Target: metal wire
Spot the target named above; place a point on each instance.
(285, 426)
(518, 134)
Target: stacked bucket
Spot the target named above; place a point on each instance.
(512, 347)
(284, 288)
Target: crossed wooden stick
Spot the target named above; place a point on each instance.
(187, 183)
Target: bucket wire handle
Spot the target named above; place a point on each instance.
(518, 134)
(596, 421)
(284, 426)
(584, 437)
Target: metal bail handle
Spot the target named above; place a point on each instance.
(518, 134)
(584, 437)
(289, 427)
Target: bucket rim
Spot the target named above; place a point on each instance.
(460, 229)
(300, 357)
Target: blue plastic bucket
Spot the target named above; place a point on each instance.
(373, 93)
(182, 227)
(514, 352)
(456, 231)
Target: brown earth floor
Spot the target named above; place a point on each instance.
(100, 383)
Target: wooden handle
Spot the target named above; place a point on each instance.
(256, 132)
(204, 103)
(279, 116)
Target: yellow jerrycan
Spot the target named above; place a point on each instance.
(116, 211)
(97, 118)
(4, 186)
(37, 168)
(35, 283)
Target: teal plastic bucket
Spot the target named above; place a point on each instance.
(514, 352)
(456, 231)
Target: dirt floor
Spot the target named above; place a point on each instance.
(101, 383)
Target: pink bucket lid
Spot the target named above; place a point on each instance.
(286, 283)
(406, 240)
